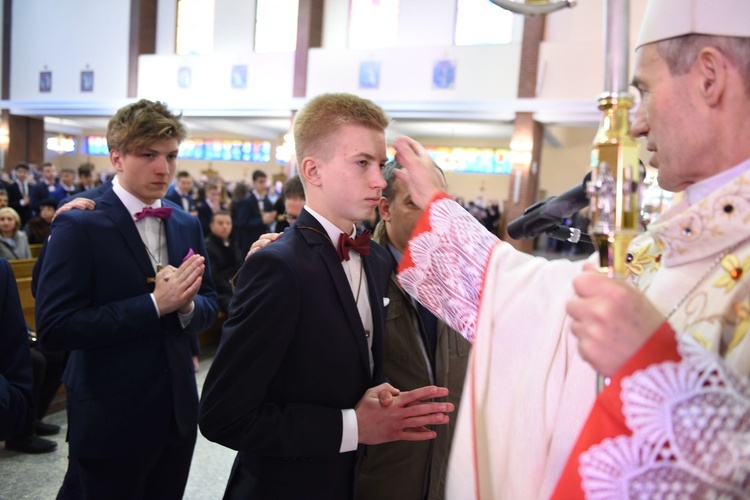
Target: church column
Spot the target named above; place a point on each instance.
(309, 35)
(142, 38)
(526, 143)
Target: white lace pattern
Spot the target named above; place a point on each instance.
(449, 266)
(691, 434)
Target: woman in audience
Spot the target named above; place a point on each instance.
(13, 242)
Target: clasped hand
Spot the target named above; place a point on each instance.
(176, 288)
(386, 414)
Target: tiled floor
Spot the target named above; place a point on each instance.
(38, 477)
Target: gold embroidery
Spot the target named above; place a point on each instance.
(705, 343)
(639, 259)
(734, 271)
(743, 315)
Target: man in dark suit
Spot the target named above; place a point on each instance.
(67, 186)
(86, 179)
(224, 256)
(181, 194)
(291, 386)
(292, 200)
(123, 288)
(19, 192)
(45, 186)
(253, 214)
(16, 401)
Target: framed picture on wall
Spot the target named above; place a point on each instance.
(239, 76)
(185, 77)
(87, 81)
(369, 74)
(45, 81)
(444, 74)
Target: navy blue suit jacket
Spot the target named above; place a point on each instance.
(15, 357)
(39, 193)
(130, 373)
(293, 354)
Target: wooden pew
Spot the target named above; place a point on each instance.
(22, 270)
(35, 249)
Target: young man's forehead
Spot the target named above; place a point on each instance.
(161, 146)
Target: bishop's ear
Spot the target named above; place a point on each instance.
(711, 68)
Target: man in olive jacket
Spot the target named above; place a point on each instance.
(419, 350)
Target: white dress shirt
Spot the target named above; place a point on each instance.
(154, 237)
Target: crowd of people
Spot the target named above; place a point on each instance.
(342, 363)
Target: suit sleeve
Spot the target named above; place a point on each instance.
(14, 196)
(15, 358)
(67, 313)
(237, 407)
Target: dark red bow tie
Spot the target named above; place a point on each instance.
(360, 244)
(162, 213)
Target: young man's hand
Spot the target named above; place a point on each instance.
(78, 203)
(176, 288)
(385, 414)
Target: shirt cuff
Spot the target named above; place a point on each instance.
(186, 318)
(349, 432)
(156, 306)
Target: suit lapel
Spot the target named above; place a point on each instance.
(121, 218)
(376, 295)
(318, 239)
(175, 241)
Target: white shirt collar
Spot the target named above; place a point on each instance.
(132, 204)
(696, 192)
(330, 228)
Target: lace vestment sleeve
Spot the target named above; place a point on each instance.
(444, 264)
(685, 430)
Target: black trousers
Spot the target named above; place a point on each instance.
(157, 474)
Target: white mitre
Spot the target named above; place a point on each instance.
(672, 18)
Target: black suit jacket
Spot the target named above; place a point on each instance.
(247, 221)
(293, 354)
(175, 198)
(225, 262)
(15, 198)
(130, 375)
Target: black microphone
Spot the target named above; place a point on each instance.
(546, 215)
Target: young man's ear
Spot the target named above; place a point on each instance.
(115, 158)
(309, 170)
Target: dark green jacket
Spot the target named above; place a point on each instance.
(407, 469)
